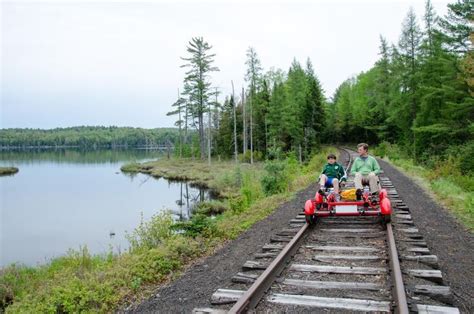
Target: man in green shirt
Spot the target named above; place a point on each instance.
(332, 174)
(365, 168)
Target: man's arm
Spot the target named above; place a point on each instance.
(375, 166)
(355, 166)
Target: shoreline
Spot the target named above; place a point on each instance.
(8, 171)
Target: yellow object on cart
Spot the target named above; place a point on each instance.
(349, 194)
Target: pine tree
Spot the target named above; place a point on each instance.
(457, 26)
(197, 78)
(382, 91)
(409, 48)
(313, 112)
(277, 126)
(296, 102)
(179, 110)
(253, 76)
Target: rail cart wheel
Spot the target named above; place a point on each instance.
(311, 219)
(386, 219)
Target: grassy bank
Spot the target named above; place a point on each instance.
(4, 171)
(443, 180)
(222, 177)
(158, 253)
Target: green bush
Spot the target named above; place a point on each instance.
(257, 156)
(466, 182)
(199, 224)
(210, 208)
(236, 204)
(274, 153)
(466, 158)
(250, 189)
(151, 233)
(275, 180)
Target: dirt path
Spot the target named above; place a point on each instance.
(446, 238)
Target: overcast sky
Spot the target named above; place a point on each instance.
(67, 63)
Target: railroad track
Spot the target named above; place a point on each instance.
(341, 264)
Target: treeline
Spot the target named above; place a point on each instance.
(88, 137)
(277, 112)
(280, 113)
(419, 94)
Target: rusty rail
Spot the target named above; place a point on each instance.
(398, 290)
(253, 295)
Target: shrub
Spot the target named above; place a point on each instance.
(199, 224)
(257, 156)
(236, 204)
(151, 233)
(275, 180)
(250, 189)
(466, 158)
(274, 153)
(210, 208)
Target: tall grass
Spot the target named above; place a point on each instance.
(442, 177)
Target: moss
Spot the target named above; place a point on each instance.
(5, 171)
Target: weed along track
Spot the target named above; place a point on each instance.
(340, 264)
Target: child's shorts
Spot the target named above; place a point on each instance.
(329, 182)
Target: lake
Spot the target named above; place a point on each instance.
(64, 199)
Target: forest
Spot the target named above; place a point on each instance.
(418, 96)
(88, 137)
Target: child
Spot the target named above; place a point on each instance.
(332, 174)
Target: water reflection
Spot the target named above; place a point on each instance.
(189, 197)
(78, 155)
(65, 199)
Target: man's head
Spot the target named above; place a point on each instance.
(331, 158)
(362, 149)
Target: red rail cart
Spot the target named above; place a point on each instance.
(325, 205)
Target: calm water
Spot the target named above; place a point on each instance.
(66, 199)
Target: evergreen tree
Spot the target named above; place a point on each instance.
(253, 76)
(197, 85)
(179, 109)
(457, 26)
(409, 48)
(382, 91)
(313, 112)
(297, 86)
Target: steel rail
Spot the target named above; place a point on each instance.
(253, 295)
(398, 289)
